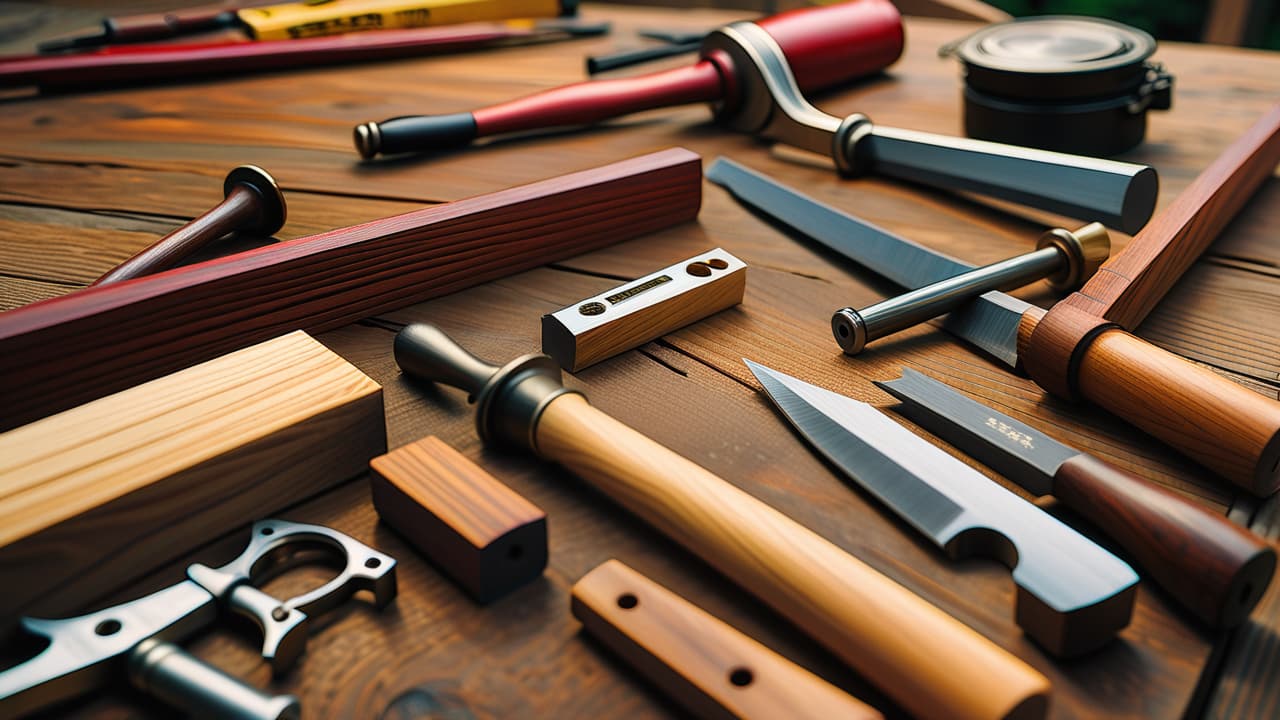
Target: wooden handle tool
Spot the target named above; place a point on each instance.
(1216, 569)
(253, 203)
(708, 666)
(1077, 350)
(930, 663)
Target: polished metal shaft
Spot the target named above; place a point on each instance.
(167, 672)
(1067, 258)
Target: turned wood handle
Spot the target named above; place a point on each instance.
(927, 661)
(172, 249)
(1216, 569)
(1227, 427)
(708, 666)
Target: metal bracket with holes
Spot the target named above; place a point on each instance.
(137, 637)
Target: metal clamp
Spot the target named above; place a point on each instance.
(88, 651)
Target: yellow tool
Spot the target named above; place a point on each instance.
(332, 17)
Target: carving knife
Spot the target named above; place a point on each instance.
(1073, 596)
(1214, 568)
(1226, 427)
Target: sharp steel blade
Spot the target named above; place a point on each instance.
(944, 498)
(1011, 448)
(990, 321)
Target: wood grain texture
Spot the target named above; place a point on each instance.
(482, 534)
(877, 626)
(1227, 427)
(68, 350)
(1248, 688)
(116, 487)
(1216, 569)
(1222, 425)
(1130, 284)
(709, 667)
(140, 162)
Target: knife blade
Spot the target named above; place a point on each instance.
(1073, 596)
(1214, 568)
(1224, 426)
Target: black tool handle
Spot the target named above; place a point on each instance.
(426, 352)
(1118, 194)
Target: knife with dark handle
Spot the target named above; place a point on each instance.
(1217, 570)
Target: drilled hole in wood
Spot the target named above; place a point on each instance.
(741, 677)
(108, 627)
(626, 601)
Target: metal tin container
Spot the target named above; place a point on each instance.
(1072, 84)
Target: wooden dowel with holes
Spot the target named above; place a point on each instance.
(927, 661)
(710, 668)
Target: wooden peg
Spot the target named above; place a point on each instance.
(253, 203)
(481, 533)
(630, 315)
(698, 660)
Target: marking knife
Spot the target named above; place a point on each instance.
(1073, 596)
(1214, 568)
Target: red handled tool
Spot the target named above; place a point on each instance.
(824, 46)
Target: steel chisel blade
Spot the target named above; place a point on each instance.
(990, 321)
(1014, 449)
(1075, 594)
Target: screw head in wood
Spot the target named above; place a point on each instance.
(271, 208)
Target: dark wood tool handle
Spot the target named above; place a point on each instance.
(170, 250)
(1225, 426)
(155, 26)
(927, 661)
(708, 666)
(1214, 568)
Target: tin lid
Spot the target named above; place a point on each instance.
(1055, 57)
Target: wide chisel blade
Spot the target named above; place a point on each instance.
(1073, 595)
(990, 321)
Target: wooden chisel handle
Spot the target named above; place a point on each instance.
(1216, 569)
(1226, 427)
(706, 665)
(927, 661)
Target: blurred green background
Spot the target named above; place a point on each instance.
(1165, 19)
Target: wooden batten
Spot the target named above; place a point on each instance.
(706, 665)
(481, 533)
(94, 496)
(68, 350)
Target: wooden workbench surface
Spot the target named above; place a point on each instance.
(88, 179)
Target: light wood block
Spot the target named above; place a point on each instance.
(697, 659)
(634, 313)
(94, 496)
(482, 534)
